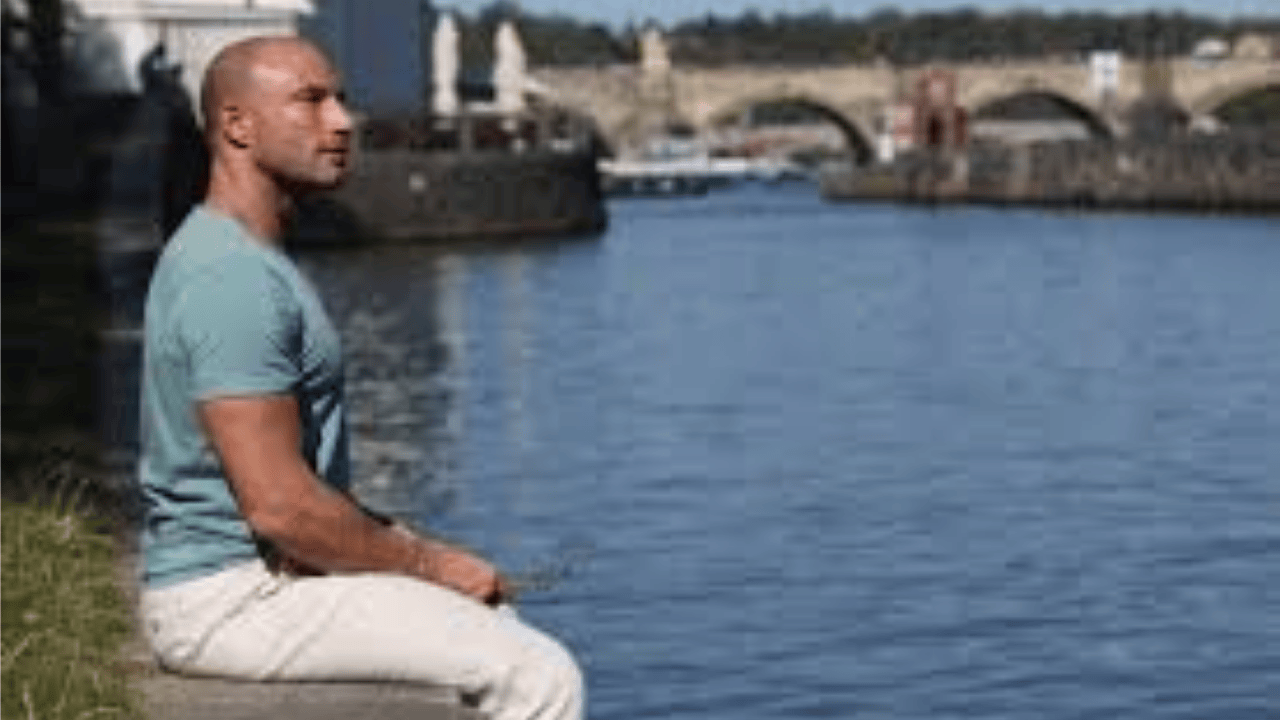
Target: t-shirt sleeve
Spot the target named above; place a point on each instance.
(240, 328)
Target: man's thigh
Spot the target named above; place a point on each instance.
(374, 627)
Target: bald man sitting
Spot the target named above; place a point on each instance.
(257, 563)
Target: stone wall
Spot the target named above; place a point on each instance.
(1238, 172)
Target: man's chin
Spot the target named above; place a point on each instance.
(334, 183)
(321, 182)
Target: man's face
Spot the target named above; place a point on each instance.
(302, 132)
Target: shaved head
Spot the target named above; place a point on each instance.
(274, 119)
(232, 74)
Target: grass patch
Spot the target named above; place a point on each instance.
(64, 619)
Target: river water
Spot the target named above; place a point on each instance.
(765, 457)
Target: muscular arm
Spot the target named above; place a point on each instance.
(258, 440)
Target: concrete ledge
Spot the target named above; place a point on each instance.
(173, 697)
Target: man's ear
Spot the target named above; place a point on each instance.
(237, 125)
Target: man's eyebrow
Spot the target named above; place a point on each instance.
(317, 90)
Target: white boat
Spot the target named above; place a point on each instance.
(689, 175)
(673, 166)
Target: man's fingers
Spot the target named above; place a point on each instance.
(473, 577)
(502, 592)
(464, 572)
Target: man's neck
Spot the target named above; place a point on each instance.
(252, 199)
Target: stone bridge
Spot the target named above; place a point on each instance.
(628, 102)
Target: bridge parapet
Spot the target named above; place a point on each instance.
(620, 99)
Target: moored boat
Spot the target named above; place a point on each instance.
(479, 178)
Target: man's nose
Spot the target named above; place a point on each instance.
(339, 117)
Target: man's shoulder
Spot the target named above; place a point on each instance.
(211, 247)
(210, 266)
(205, 238)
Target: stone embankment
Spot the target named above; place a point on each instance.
(1230, 173)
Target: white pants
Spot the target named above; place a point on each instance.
(247, 622)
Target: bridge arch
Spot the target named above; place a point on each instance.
(857, 139)
(1209, 87)
(1040, 105)
(1215, 102)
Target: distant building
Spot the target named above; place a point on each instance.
(379, 45)
(382, 47)
(1256, 46)
(111, 39)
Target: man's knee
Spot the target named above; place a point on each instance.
(567, 686)
(546, 684)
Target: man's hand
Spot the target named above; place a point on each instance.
(462, 571)
(457, 569)
(437, 562)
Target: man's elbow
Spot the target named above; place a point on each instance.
(279, 520)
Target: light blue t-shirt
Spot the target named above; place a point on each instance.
(225, 316)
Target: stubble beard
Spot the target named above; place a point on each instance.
(315, 171)
(301, 160)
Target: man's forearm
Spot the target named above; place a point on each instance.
(329, 532)
(332, 533)
(307, 520)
